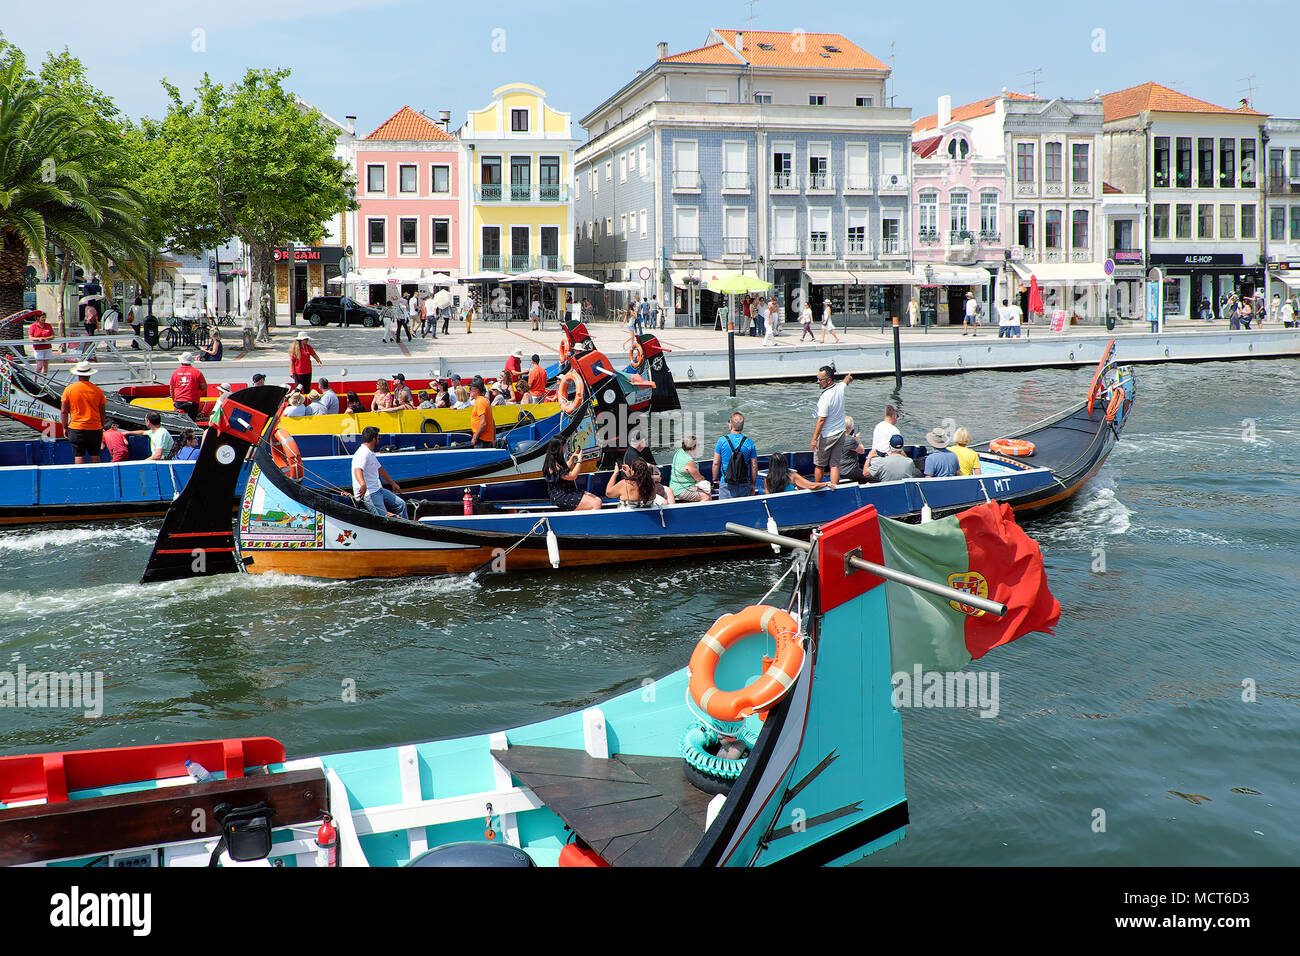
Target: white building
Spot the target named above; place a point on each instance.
(1282, 206)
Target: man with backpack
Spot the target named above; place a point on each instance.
(735, 462)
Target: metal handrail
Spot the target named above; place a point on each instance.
(101, 345)
(879, 570)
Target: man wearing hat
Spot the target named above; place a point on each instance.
(480, 418)
(188, 386)
(223, 393)
(258, 379)
(82, 415)
(940, 463)
(894, 466)
(972, 320)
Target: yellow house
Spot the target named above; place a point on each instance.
(519, 173)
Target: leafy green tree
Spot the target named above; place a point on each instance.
(246, 161)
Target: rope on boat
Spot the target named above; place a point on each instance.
(486, 565)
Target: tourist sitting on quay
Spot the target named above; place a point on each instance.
(940, 462)
(968, 460)
(885, 429)
(685, 482)
(633, 485)
(780, 478)
(735, 461)
(894, 466)
(212, 350)
(369, 477)
(561, 476)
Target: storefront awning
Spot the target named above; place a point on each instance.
(681, 278)
(825, 277)
(1291, 281)
(1061, 273)
(884, 277)
(951, 275)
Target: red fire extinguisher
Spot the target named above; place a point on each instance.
(468, 501)
(327, 844)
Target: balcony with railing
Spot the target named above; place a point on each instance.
(785, 247)
(733, 181)
(929, 237)
(488, 192)
(857, 183)
(892, 246)
(490, 263)
(784, 183)
(735, 246)
(520, 192)
(961, 237)
(551, 192)
(819, 245)
(856, 247)
(520, 263)
(686, 179)
(893, 183)
(990, 237)
(1283, 185)
(550, 263)
(686, 246)
(821, 183)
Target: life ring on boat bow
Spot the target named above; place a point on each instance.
(766, 690)
(566, 347)
(285, 454)
(1015, 447)
(636, 355)
(1096, 388)
(570, 405)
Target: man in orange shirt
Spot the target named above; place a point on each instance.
(480, 417)
(536, 382)
(83, 415)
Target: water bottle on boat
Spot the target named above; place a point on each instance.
(197, 771)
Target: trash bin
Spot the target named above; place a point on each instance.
(1110, 323)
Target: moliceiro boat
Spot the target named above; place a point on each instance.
(287, 528)
(779, 743)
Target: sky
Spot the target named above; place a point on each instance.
(368, 58)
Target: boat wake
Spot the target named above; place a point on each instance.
(1098, 511)
(60, 538)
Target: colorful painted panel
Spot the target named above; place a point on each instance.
(269, 519)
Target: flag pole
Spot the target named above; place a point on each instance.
(879, 570)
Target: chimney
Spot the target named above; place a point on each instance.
(945, 111)
(444, 118)
(352, 123)
(663, 49)
(740, 40)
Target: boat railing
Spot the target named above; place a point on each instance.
(103, 351)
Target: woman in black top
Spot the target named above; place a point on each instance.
(561, 480)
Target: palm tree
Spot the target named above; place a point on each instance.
(53, 191)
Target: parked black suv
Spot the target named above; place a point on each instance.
(325, 309)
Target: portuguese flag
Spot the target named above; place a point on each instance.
(982, 551)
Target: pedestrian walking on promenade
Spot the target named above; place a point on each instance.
(913, 311)
(828, 326)
(264, 318)
(769, 323)
(806, 319)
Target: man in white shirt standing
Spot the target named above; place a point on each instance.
(367, 475)
(883, 431)
(535, 313)
(828, 435)
(970, 321)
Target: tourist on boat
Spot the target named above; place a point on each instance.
(300, 355)
(297, 406)
(500, 394)
(369, 478)
(686, 483)
(883, 432)
(735, 461)
(780, 478)
(188, 386)
(893, 466)
(402, 397)
(536, 382)
(633, 485)
(314, 404)
(161, 442)
(561, 476)
(442, 399)
(82, 415)
(481, 423)
(383, 399)
(328, 397)
(354, 404)
(828, 434)
(967, 459)
(256, 380)
(940, 462)
(189, 446)
(115, 442)
(426, 401)
(850, 462)
(463, 398)
(639, 450)
(223, 393)
(40, 331)
(211, 351)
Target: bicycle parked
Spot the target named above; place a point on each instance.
(185, 333)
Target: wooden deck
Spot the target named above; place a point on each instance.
(633, 811)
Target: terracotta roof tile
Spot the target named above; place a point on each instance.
(924, 148)
(794, 49)
(969, 111)
(1109, 190)
(408, 125)
(1152, 97)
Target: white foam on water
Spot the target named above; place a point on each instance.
(60, 538)
(1098, 511)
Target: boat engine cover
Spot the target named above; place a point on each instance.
(474, 853)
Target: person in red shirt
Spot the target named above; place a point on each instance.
(188, 386)
(82, 415)
(300, 355)
(513, 373)
(115, 442)
(41, 331)
(536, 382)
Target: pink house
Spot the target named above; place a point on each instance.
(409, 226)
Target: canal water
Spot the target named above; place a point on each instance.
(1159, 724)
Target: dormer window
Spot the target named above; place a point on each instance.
(958, 148)
(766, 46)
(831, 49)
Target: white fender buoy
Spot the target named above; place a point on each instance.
(552, 547)
(773, 529)
(926, 515)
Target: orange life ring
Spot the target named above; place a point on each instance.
(636, 355)
(570, 405)
(779, 672)
(285, 454)
(1116, 404)
(565, 347)
(1015, 447)
(1095, 390)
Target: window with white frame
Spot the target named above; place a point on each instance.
(1052, 229)
(1079, 167)
(891, 234)
(644, 168)
(783, 166)
(1227, 221)
(686, 227)
(440, 229)
(735, 165)
(631, 160)
(785, 238)
(856, 166)
(1024, 162)
(644, 224)
(519, 121)
(622, 168)
(410, 232)
(819, 166)
(1080, 234)
(857, 232)
(1248, 221)
(816, 99)
(407, 178)
(1052, 162)
(863, 101)
(735, 226)
(375, 178)
(891, 164)
(622, 225)
(609, 170)
(1277, 223)
(989, 214)
(927, 211)
(440, 177)
(376, 232)
(958, 213)
(609, 226)
(819, 231)
(763, 99)
(686, 164)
